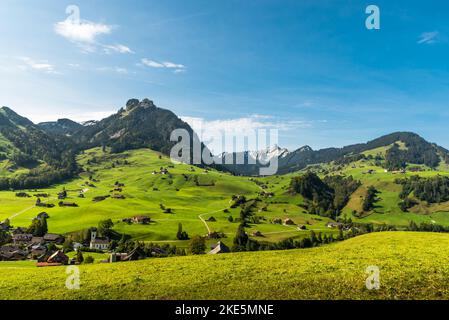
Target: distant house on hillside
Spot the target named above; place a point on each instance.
(334, 225)
(58, 257)
(289, 222)
(97, 242)
(77, 245)
(37, 250)
(37, 240)
(22, 195)
(67, 204)
(220, 247)
(141, 219)
(136, 254)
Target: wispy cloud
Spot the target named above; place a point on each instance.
(428, 37)
(85, 34)
(176, 67)
(119, 70)
(41, 66)
(117, 48)
(211, 131)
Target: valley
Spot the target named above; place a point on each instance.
(336, 210)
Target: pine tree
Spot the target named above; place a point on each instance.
(241, 239)
(79, 256)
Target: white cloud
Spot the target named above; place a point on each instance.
(152, 64)
(117, 48)
(428, 37)
(81, 31)
(172, 65)
(212, 131)
(42, 66)
(86, 33)
(178, 68)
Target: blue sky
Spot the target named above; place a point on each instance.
(309, 68)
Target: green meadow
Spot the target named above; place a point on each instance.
(194, 195)
(411, 265)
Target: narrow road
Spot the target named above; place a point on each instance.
(204, 221)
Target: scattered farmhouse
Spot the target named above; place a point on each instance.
(23, 195)
(289, 222)
(334, 225)
(141, 219)
(58, 257)
(54, 238)
(37, 240)
(67, 204)
(220, 247)
(37, 250)
(162, 171)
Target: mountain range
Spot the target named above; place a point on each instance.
(47, 150)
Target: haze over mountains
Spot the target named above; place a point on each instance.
(49, 148)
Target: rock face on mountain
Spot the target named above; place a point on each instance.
(139, 125)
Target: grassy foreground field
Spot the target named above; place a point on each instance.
(412, 266)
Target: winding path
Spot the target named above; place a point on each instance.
(204, 221)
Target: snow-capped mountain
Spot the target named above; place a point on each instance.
(263, 156)
(269, 153)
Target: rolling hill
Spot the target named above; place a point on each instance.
(30, 157)
(412, 265)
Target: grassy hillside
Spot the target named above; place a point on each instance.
(370, 173)
(193, 194)
(412, 265)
